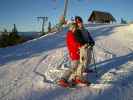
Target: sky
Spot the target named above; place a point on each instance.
(24, 13)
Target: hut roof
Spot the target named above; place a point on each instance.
(99, 15)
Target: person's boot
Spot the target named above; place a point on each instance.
(81, 82)
(63, 83)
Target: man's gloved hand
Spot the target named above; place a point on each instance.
(91, 44)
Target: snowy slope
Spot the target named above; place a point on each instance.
(24, 67)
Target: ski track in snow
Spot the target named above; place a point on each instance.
(22, 74)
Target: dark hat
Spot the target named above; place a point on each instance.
(78, 19)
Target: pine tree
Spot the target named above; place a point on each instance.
(5, 30)
(4, 39)
(9, 39)
(49, 27)
(123, 21)
(14, 30)
(13, 36)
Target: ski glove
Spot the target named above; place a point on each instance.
(91, 44)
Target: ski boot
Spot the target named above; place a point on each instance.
(80, 82)
(63, 83)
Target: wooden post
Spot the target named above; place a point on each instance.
(65, 8)
(44, 19)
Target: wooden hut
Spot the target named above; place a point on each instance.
(101, 17)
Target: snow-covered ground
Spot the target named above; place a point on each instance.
(23, 68)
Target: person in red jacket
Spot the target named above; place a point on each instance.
(72, 44)
(69, 77)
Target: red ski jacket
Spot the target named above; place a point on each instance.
(73, 46)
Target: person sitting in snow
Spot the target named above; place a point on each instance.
(74, 75)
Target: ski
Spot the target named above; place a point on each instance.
(92, 85)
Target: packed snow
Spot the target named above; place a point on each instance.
(25, 68)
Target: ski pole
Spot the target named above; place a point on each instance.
(95, 67)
